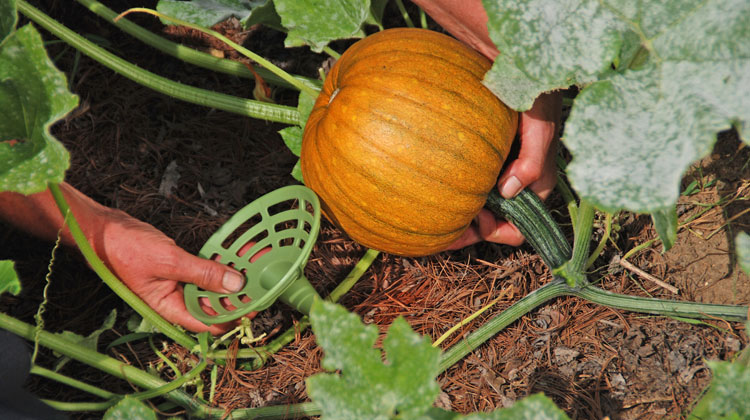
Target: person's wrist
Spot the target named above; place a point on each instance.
(92, 217)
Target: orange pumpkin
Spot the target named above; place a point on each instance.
(404, 142)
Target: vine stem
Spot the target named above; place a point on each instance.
(112, 281)
(534, 228)
(241, 106)
(145, 380)
(239, 48)
(187, 54)
(75, 383)
(572, 270)
(559, 287)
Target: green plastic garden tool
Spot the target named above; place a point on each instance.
(269, 241)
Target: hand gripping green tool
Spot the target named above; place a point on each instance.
(269, 241)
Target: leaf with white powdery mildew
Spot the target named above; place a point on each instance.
(316, 23)
(548, 45)
(634, 135)
(366, 387)
(33, 95)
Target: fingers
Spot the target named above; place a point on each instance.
(499, 231)
(206, 274)
(535, 165)
(487, 228)
(173, 309)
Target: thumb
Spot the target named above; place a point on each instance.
(207, 274)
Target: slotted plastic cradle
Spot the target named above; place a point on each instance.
(269, 241)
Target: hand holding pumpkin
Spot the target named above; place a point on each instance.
(535, 166)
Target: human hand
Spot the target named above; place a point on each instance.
(155, 268)
(535, 165)
(142, 257)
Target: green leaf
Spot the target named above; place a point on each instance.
(91, 341)
(210, 12)
(131, 409)
(367, 387)
(8, 18)
(742, 244)
(316, 23)
(292, 137)
(33, 95)
(297, 172)
(665, 222)
(537, 407)
(552, 45)
(9, 278)
(727, 394)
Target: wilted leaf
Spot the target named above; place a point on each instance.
(91, 341)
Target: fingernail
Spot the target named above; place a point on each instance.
(511, 187)
(232, 282)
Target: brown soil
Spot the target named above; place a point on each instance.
(592, 360)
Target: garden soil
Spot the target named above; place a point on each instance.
(593, 361)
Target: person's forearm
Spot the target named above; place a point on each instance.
(464, 19)
(38, 214)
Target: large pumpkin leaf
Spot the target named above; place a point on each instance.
(659, 78)
(367, 387)
(33, 95)
(632, 136)
(316, 23)
(210, 12)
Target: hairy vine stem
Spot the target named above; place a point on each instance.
(550, 251)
